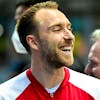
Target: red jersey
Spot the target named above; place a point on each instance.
(75, 86)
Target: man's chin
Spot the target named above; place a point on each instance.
(69, 63)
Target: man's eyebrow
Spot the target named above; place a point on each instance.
(59, 24)
(69, 24)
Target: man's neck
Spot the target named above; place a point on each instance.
(48, 77)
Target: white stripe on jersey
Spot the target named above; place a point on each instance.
(89, 84)
(14, 87)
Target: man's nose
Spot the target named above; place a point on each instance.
(69, 35)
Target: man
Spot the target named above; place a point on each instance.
(93, 66)
(46, 34)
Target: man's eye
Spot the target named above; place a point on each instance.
(70, 29)
(57, 28)
(89, 61)
(92, 64)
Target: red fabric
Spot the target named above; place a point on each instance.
(67, 91)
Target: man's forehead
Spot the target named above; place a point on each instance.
(95, 48)
(96, 45)
(52, 16)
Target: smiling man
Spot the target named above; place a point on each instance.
(47, 35)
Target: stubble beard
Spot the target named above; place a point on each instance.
(50, 55)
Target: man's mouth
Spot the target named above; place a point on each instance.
(66, 49)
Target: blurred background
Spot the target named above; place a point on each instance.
(83, 14)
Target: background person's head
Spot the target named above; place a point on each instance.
(93, 66)
(45, 29)
(21, 6)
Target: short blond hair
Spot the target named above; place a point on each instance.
(95, 35)
(27, 24)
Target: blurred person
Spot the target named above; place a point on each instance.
(93, 66)
(21, 61)
(46, 34)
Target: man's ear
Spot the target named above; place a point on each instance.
(32, 42)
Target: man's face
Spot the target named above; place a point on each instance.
(56, 38)
(93, 66)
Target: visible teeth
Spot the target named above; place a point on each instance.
(66, 48)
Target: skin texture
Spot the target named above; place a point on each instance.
(53, 49)
(93, 66)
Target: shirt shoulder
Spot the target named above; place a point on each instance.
(87, 83)
(12, 88)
